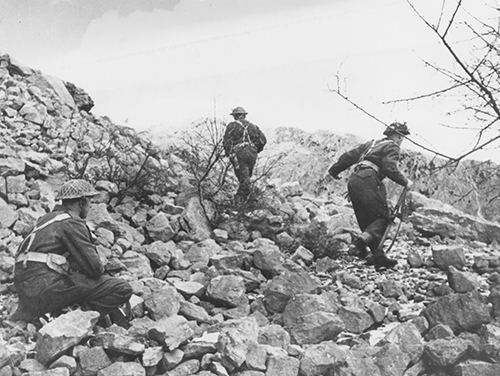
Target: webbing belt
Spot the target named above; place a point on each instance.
(52, 260)
(368, 164)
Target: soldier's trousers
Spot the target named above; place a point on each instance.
(42, 290)
(243, 161)
(369, 201)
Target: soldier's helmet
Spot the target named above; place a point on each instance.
(76, 188)
(238, 111)
(397, 128)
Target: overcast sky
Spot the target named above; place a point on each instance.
(161, 64)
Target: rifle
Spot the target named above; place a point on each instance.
(392, 215)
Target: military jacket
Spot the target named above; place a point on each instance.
(69, 237)
(384, 153)
(242, 131)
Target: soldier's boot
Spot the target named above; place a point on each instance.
(359, 245)
(122, 316)
(381, 261)
(22, 314)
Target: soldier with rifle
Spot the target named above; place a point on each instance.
(373, 160)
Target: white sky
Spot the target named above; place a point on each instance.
(164, 67)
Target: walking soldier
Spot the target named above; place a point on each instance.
(242, 142)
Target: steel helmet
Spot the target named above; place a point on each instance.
(238, 111)
(397, 128)
(76, 188)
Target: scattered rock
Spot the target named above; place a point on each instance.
(93, 360)
(444, 257)
(163, 302)
(282, 366)
(171, 331)
(445, 352)
(462, 281)
(64, 332)
(236, 336)
(286, 285)
(476, 368)
(356, 320)
(159, 228)
(459, 311)
(228, 290)
(123, 369)
(321, 359)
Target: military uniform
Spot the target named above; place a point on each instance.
(58, 265)
(242, 142)
(374, 161)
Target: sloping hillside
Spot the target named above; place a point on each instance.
(269, 292)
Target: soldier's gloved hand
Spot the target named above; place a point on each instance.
(409, 184)
(329, 176)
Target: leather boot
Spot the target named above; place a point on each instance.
(381, 261)
(358, 248)
(22, 314)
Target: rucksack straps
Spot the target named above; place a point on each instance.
(31, 237)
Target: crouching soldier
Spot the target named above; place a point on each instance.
(374, 161)
(242, 142)
(57, 265)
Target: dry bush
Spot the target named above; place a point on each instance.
(212, 174)
(119, 155)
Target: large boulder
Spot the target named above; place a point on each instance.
(200, 253)
(461, 312)
(274, 335)
(391, 360)
(92, 360)
(356, 320)
(228, 290)
(462, 282)
(11, 166)
(282, 365)
(66, 331)
(8, 216)
(195, 219)
(475, 368)
(81, 99)
(432, 217)
(322, 359)
(171, 331)
(444, 257)
(235, 339)
(445, 352)
(285, 286)
(137, 264)
(267, 257)
(408, 338)
(119, 343)
(123, 369)
(163, 302)
(160, 228)
(160, 252)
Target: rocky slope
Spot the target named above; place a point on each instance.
(472, 186)
(271, 291)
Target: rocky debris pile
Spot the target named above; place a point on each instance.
(270, 292)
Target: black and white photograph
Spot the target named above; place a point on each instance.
(249, 188)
